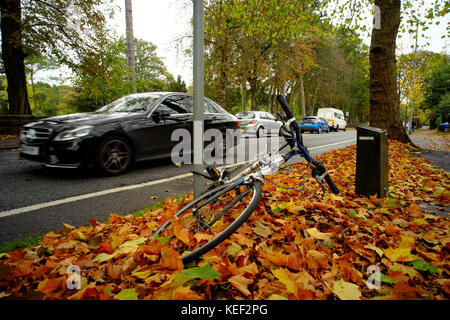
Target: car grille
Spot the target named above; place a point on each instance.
(35, 135)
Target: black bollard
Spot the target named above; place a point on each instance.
(371, 162)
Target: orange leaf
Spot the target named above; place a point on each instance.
(317, 260)
(251, 270)
(171, 259)
(154, 247)
(275, 257)
(53, 288)
(403, 291)
(414, 210)
(181, 233)
(185, 293)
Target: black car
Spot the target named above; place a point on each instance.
(133, 128)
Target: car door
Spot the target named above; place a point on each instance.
(274, 123)
(323, 124)
(178, 115)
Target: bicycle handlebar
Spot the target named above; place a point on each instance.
(296, 129)
(282, 100)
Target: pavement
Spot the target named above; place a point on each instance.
(9, 142)
(435, 146)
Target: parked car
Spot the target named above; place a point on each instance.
(258, 122)
(444, 127)
(315, 124)
(133, 128)
(334, 117)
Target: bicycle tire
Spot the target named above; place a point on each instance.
(211, 196)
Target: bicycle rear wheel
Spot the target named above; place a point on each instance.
(204, 223)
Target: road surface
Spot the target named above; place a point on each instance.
(35, 200)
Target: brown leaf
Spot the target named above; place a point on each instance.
(240, 283)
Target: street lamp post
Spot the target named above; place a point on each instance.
(198, 54)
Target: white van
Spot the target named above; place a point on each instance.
(335, 118)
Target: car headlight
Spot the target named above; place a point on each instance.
(74, 133)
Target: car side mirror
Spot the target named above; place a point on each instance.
(159, 115)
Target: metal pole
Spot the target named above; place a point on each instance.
(199, 182)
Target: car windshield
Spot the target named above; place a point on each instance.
(131, 103)
(246, 115)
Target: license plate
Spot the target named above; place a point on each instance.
(308, 123)
(30, 150)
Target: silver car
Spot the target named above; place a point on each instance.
(259, 123)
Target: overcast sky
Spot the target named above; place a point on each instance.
(162, 22)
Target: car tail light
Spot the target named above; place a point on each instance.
(317, 121)
(252, 122)
(238, 122)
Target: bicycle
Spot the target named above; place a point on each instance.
(233, 195)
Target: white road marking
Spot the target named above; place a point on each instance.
(114, 190)
(89, 195)
(332, 144)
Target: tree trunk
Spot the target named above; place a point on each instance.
(130, 43)
(384, 110)
(253, 90)
(244, 95)
(13, 57)
(302, 97)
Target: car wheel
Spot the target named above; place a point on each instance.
(328, 130)
(319, 131)
(113, 155)
(260, 132)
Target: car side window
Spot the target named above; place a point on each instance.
(176, 105)
(209, 108)
(272, 117)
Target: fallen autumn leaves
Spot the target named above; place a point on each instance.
(296, 245)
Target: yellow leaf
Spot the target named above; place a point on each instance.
(276, 297)
(421, 222)
(401, 254)
(374, 248)
(408, 242)
(316, 234)
(142, 274)
(286, 278)
(346, 290)
(181, 233)
(411, 272)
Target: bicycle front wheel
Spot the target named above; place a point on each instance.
(208, 220)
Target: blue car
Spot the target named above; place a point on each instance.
(444, 127)
(314, 124)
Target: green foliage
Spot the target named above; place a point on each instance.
(438, 85)
(177, 86)
(17, 244)
(102, 78)
(205, 272)
(64, 30)
(267, 47)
